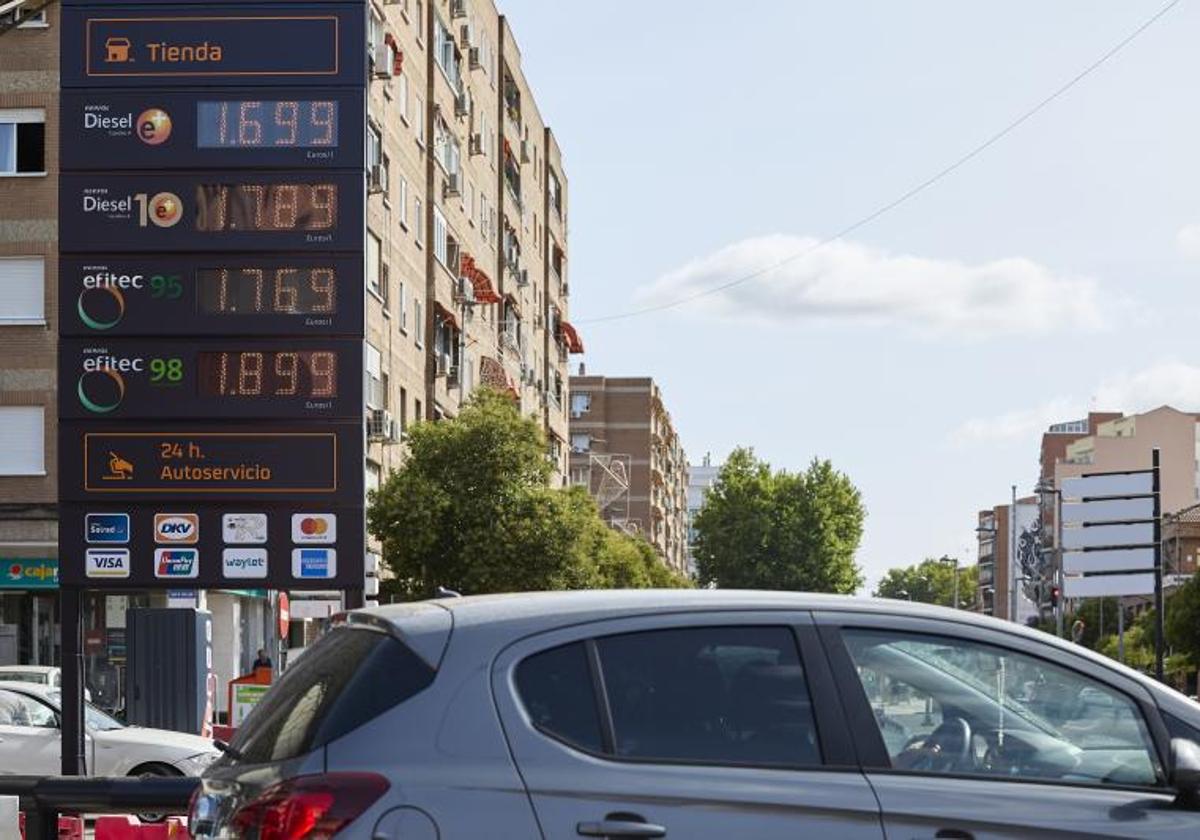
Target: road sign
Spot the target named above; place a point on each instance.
(1106, 536)
(1103, 586)
(1108, 510)
(1108, 484)
(1111, 560)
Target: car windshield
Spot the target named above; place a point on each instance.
(93, 717)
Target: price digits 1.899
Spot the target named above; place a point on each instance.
(257, 373)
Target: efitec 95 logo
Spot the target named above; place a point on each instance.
(163, 209)
(105, 292)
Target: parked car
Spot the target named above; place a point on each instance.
(50, 675)
(31, 740)
(703, 715)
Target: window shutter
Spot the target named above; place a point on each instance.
(24, 447)
(24, 284)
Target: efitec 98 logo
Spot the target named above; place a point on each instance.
(105, 377)
(163, 209)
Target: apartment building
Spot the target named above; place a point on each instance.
(701, 477)
(28, 330)
(621, 430)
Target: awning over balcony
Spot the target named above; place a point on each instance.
(485, 292)
(446, 315)
(570, 335)
(493, 375)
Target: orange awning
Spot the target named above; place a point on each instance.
(446, 315)
(493, 375)
(484, 291)
(571, 336)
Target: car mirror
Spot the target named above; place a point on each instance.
(1185, 771)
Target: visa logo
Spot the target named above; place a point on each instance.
(106, 528)
(176, 562)
(107, 562)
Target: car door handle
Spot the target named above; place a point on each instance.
(621, 825)
(953, 834)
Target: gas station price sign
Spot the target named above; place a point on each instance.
(211, 295)
(242, 211)
(213, 378)
(156, 129)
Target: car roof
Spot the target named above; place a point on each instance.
(510, 616)
(28, 669)
(43, 691)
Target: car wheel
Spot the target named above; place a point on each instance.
(150, 771)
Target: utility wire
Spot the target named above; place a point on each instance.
(904, 197)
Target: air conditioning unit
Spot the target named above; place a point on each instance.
(524, 151)
(395, 435)
(475, 144)
(381, 61)
(379, 424)
(523, 277)
(451, 186)
(458, 8)
(451, 376)
(379, 179)
(462, 105)
(473, 61)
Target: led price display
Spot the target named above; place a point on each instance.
(251, 124)
(269, 373)
(255, 207)
(258, 291)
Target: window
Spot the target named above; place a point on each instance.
(419, 104)
(555, 194)
(371, 481)
(403, 306)
(374, 146)
(418, 220)
(402, 96)
(439, 236)
(30, 20)
(581, 403)
(403, 409)
(24, 283)
(445, 53)
(24, 447)
(581, 476)
(418, 415)
(18, 709)
(955, 706)
(418, 324)
(556, 689)
(581, 442)
(375, 395)
(402, 192)
(445, 147)
(374, 260)
(349, 676)
(22, 141)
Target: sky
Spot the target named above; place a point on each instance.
(924, 353)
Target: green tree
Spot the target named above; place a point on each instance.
(1183, 621)
(470, 510)
(930, 582)
(760, 529)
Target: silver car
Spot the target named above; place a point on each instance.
(703, 715)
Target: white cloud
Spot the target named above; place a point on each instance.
(1169, 382)
(853, 281)
(1188, 241)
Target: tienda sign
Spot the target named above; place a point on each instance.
(22, 573)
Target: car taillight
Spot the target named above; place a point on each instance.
(308, 806)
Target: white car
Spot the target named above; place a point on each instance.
(48, 675)
(31, 740)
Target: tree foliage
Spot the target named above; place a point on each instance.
(470, 510)
(760, 529)
(1183, 621)
(931, 582)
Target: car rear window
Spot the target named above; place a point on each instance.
(348, 677)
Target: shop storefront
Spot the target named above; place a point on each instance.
(29, 630)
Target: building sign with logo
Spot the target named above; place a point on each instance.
(212, 228)
(28, 573)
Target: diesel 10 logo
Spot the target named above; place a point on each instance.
(162, 209)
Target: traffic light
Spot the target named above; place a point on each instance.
(1055, 595)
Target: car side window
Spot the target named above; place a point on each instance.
(16, 709)
(715, 695)
(556, 689)
(954, 706)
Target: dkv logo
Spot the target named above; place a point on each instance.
(181, 528)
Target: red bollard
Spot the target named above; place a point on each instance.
(69, 828)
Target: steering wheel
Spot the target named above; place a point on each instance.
(945, 749)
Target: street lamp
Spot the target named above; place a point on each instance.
(948, 561)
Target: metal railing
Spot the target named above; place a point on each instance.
(43, 798)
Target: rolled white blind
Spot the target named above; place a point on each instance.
(23, 283)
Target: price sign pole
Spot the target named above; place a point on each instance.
(212, 197)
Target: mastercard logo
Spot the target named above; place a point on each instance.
(312, 526)
(165, 209)
(154, 126)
